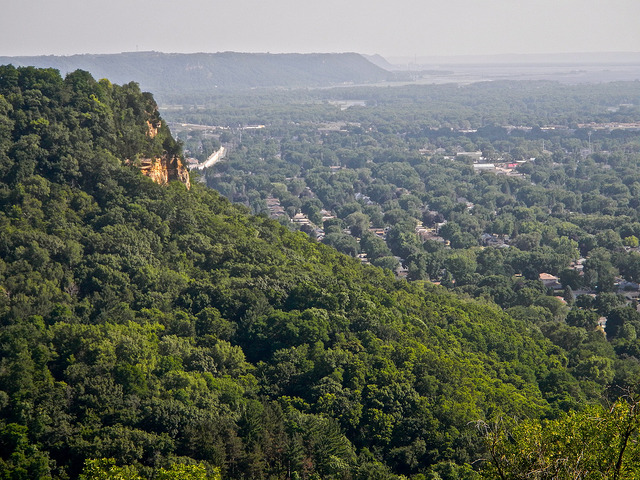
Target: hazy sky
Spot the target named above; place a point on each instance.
(390, 28)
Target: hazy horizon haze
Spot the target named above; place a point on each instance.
(391, 29)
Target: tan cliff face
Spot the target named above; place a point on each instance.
(165, 169)
(152, 130)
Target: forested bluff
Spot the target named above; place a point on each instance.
(160, 331)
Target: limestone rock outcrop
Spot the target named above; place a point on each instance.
(165, 169)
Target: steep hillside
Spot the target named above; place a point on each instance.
(157, 326)
(164, 73)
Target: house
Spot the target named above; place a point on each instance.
(326, 215)
(274, 207)
(363, 259)
(402, 272)
(424, 233)
(301, 219)
(550, 281)
(627, 285)
(484, 167)
(602, 322)
(578, 265)
(379, 232)
(476, 156)
(493, 240)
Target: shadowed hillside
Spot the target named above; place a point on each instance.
(164, 73)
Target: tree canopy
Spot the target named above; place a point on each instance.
(152, 331)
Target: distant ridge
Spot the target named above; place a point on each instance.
(163, 73)
(380, 61)
(583, 58)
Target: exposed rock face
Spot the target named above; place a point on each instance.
(152, 129)
(165, 169)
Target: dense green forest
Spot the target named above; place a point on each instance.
(153, 331)
(548, 232)
(558, 199)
